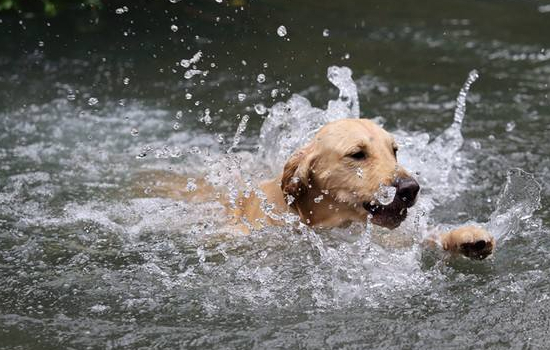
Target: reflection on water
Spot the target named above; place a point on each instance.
(85, 261)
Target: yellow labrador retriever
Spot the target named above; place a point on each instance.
(333, 181)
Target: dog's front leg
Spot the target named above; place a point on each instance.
(471, 241)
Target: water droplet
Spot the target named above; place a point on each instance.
(261, 78)
(476, 145)
(179, 114)
(241, 96)
(176, 126)
(41, 44)
(260, 109)
(220, 138)
(281, 31)
(385, 194)
(191, 185)
(71, 97)
(92, 101)
(134, 132)
(186, 63)
(290, 199)
(318, 199)
(195, 150)
(219, 1)
(326, 32)
(188, 96)
(119, 11)
(510, 126)
(191, 73)
(147, 190)
(359, 172)
(126, 81)
(274, 93)
(347, 56)
(243, 62)
(174, 28)
(240, 129)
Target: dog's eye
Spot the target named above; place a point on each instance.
(358, 155)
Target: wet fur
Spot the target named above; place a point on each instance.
(323, 168)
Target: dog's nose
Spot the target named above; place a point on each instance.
(407, 189)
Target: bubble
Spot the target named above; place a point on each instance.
(126, 81)
(174, 28)
(134, 132)
(510, 126)
(281, 31)
(92, 101)
(119, 11)
(241, 97)
(176, 126)
(179, 114)
(260, 108)
(326, 32)
(261, 78)
(188, 96)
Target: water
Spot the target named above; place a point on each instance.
(89, 259)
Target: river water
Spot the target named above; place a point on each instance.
(90, 260)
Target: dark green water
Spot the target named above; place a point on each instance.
(86, 263)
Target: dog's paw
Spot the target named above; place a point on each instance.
(471, 241)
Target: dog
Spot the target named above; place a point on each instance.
(335, 180)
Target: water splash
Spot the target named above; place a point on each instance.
(240, 129)
(385, 194)
(289, 125)
(452, 138)
(519, 198)
(441, 162)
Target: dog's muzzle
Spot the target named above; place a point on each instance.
(391, 215)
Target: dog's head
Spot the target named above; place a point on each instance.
(339, 176)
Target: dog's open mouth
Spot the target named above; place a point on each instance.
(389, 216)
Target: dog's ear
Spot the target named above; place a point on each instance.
(296, 174)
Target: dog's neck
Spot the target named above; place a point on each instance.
(314, 207)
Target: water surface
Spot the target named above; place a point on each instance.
(86, 105)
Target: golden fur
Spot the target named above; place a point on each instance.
(327, 183)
